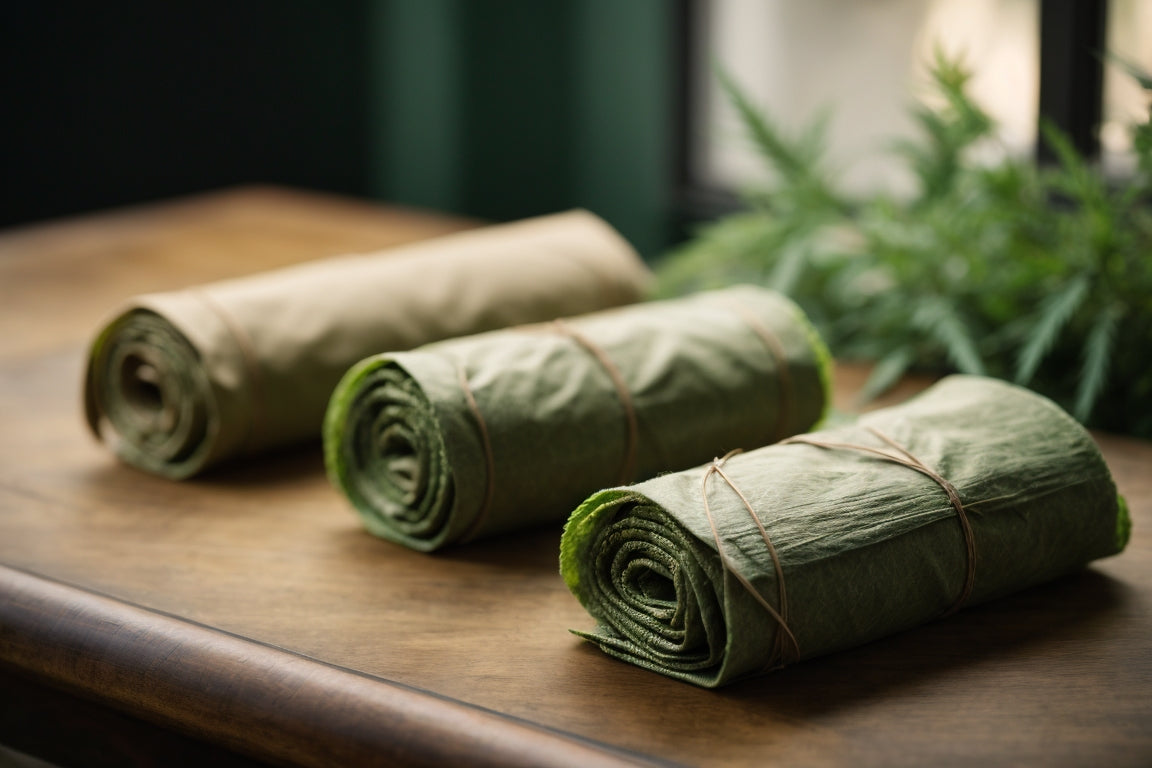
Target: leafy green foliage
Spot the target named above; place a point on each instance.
(1040, 275)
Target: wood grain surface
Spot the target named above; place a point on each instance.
(250, 610)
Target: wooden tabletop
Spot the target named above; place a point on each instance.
(249, 612)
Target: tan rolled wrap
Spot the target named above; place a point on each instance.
(180, 381)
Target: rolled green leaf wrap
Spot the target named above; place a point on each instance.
(863, 545)
(180, 381)
(510, 429)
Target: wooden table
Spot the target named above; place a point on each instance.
(246, 617)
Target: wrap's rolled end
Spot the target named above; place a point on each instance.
(655, 593)
(577, 540)
(147, 396)
(384, 451)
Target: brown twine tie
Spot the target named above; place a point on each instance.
(778, 658)
(628, 466)
(902, 456)
(783, 374)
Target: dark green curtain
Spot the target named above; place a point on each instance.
(509, 108)
(493, 108)
(106, 104)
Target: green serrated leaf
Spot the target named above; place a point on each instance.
(886, 373)
(1077, 179)
(788, 268)
(1053, 316)
(1097, 361)
(1003, 269)
(945, 326)
(768, 139)
(1133, 69)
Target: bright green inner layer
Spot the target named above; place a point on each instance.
(383, 449)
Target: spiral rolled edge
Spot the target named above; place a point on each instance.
(148, 397)
(384, 451)
(654, 589)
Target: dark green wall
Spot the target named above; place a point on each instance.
(103, 104)
(508, 108)
(493, 108)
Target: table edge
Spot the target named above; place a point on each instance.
(257, 699)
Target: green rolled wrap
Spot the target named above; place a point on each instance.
(854, 546)
(183, 380)
(505, 430)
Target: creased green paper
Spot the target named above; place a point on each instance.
(866, 546)
(183, 380)
(559, 411)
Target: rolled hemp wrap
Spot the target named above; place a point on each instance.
(507, 430)
(972, 490)
(180, 381)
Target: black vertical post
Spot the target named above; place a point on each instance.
(1072, 45)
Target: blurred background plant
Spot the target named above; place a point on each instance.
(1039, 275)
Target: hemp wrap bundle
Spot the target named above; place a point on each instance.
(183, 380)
(506, 430)
(854, 545)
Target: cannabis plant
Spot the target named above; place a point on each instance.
(1040, 275)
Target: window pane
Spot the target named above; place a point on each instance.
(1125, 102)
(863, 63)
